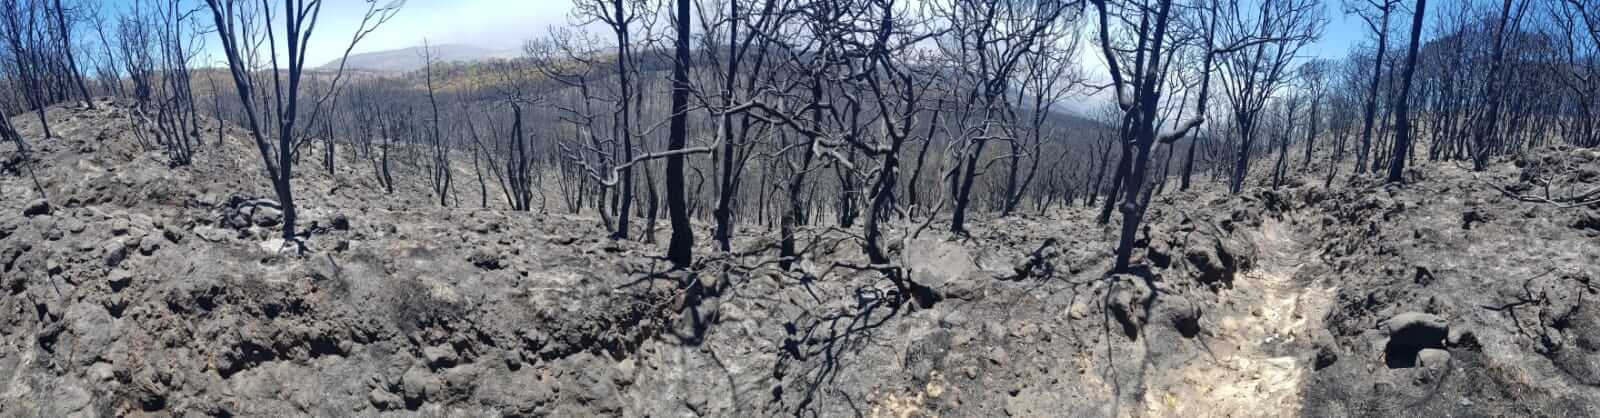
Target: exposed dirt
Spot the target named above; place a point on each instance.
(138, 289)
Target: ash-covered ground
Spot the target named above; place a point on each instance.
(138, 289)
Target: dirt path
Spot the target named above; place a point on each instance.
(1247, 374)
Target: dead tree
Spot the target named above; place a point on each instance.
(622, 18)
(439, 167)
(749, 49)
(1402, 140)
(1253, 75)
(1576, 31)
(19, 26)
(64, 28)
(990, 37)
(1138, 90)
(1486, 128)
(240, 28)
(1375, 13)
(1314, 75)
(9, 133)
(1048, 75)
(680, 250)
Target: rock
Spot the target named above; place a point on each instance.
(340, 222)
(967, 287)
(172, 233)
(384, 400)
(1181, 313)
(1326, 356)
(440, 356)
(113, 253)
(954, 319)
(101, 372)
(1128, 295)
(1433, 358)
(1078, 310)
(213, 234)
(1212, 260)
(1461, 338)
(1417, 329)
(486, 259)
(120, 226)
(927, 353)
(92, 330)
(36, 207)
(625, 372)
(272, 246)
(267, 216)
(417, 383)
(149, 244)
(119, 279)
(933, 263)
(483, 226)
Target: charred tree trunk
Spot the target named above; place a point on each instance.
(1402, 139)
(680, 249)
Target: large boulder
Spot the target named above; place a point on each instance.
(1417, 329)
(936, 262)
(1214, 262)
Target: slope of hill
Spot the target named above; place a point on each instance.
(138, 289)
(410, 59)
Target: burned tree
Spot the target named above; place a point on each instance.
(240, 27)
(1402, 140)
(1375, 13)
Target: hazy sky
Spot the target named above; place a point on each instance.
(506, 23)
(486, 23)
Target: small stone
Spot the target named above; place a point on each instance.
(213, 234)
(1433, 358)
(625, 371)
(273, 246)
(955, 318)
(1461, 338)
(384, 400)
(487, 259)
(101, 372)
(440, 356)
(341, 222)
(998, 356)
(267, 216)
(1325, 357)
(75, 226)
(1078, 310)
(114, 252)
(119, 279)
(36, 207)
(149, 244)
(120, 226)
(54, 234)
(417, 383)
(172, 234)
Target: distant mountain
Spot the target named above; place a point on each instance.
(408, 59)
